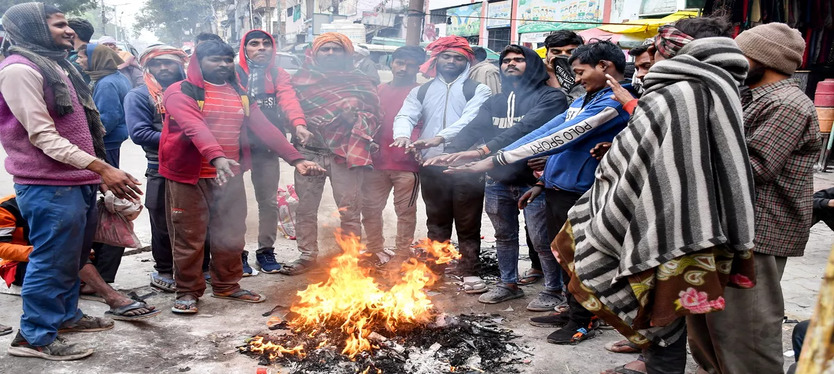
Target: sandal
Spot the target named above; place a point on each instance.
(5, 330)
(622, 346)
(474, 285)
(88, 324)
(501, 293)
(121, 313)
(297, 267)
(531, 276)
(239, 296)
(186, 306)
(164, 283)
(573, 333)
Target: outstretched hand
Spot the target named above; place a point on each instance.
(224, 169)
(472, 167)
(306, 167)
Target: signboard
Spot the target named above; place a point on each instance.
(378, 18)
(532, 11)
(654, 7)
(466, 20)
(534, 37)
(498, 14)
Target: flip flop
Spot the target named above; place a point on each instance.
(189, 306)
(238, 296)
(119, 313)
(622, 346)
(165, 284)
(5, 330)
(474, 285)
(530, 277)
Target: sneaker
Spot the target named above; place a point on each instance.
(551, 320)
(573, 333)
(58, 350)
(247, 270)
(266, 261)
(545, 302)
(501, 293)
(88, 324)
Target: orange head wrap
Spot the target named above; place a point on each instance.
(333, 37)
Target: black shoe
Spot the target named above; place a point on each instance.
(247, 270)
(573, 333)
(557, 319)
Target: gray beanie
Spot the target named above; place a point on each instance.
(774, 45)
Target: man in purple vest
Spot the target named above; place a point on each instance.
(53, 137)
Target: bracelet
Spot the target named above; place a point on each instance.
(481, 153)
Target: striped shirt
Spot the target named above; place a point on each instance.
(224, 115)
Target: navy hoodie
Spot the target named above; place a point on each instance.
(511, 114)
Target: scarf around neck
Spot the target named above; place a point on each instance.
(257, 77)
(30, 38)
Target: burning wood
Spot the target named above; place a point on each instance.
(380, 329)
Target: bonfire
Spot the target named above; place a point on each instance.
(352, 311)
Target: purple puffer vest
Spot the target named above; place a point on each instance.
(27, 163)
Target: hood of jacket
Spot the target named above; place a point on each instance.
(244, 60)
(535, 73)
(194, 75)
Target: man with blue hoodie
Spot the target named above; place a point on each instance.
(524, 104)
(568, 139)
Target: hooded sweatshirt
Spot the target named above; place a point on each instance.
(511, 114)
(444, 110)
(568, 139)
(276, 98)
(187, 140)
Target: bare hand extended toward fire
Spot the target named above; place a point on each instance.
(224, 169)
(305, 167)
(472, 167)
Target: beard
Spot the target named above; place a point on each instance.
(754, 75)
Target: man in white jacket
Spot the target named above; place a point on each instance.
(445, 105)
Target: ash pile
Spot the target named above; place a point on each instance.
(467, 343)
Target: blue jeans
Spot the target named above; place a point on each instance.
(62, 223)
(502, 208)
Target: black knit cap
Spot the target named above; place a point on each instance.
(256, 34)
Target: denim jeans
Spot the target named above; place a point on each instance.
(62, 222)
(502, 208)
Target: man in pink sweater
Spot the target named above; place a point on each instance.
(53, 137)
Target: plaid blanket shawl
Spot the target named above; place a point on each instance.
(325, 97)
(672, 197)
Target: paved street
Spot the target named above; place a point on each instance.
(206, 343)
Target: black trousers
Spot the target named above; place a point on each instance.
(667, 360)
(108, 257)
(455, 200)
(558, 204)
(160, 240)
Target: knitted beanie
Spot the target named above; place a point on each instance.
(774, 45)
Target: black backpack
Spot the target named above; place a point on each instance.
(469, 86)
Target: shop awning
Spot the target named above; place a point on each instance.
(649, 25)
(553, 26)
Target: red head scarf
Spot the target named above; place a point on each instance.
(670, 40)
(447, 43)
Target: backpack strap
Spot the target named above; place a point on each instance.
(421, 92)
(469, 87)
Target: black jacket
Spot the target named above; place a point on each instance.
(498, 124)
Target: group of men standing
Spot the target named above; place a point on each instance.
(647, 192)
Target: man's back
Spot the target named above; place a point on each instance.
(782, 134)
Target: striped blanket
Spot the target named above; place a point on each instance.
(675, 183)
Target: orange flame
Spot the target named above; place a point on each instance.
(353, 302)
(443, 252)
(257, 345)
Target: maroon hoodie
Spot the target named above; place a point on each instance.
(186, 139)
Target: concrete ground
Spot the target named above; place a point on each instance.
(206, 343)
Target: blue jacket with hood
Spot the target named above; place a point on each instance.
(568, 140)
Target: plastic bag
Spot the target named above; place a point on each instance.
(287, 204)
(113, 228)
